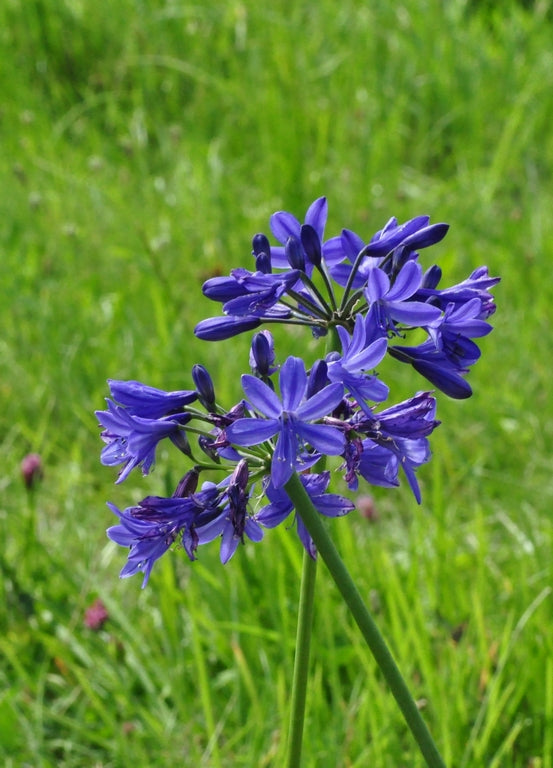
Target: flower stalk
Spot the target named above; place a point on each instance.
(365, 622)
(301, 660)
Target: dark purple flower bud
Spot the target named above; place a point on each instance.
(260, 244)
(238, 497)
(96, 615)
(31, 470)
(318, 378)
(262, 252)
(221, 328)
(204, 387)
(188, 484)
(294, 254)
(263, 263)
(431, 277)
(262, 354)
(240, 475)
(311, 243)
(180, 440)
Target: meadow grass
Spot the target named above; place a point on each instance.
(142, 145)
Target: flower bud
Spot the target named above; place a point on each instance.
(311, 243)
(294, 254)
(262, 354)
(318, 378)
(187, 484)
(262, 253)
(204, 387)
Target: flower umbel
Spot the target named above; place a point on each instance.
(366, 297)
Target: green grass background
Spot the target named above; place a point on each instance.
(142, 144)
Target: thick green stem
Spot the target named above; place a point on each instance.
(301, 661)
(364, 620)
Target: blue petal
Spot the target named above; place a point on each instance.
(316, 215)
(284, 225)
(332, 505)
(368, 358)
(406, 283)
(322, 403)
(229, 544)
(261, 396)
(293, 383)
(284, 457)
(326, 439)
(251, 431)
(378, 284)
(414, 313)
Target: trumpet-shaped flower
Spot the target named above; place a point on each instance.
(132, 440)
(358, 357)
(149, 402)
(288, 419)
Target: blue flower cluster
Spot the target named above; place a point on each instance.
(364, 298)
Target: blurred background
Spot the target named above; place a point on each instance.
(142, 144)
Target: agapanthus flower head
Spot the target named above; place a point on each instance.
(364, 297)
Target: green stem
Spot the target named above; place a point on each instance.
(364, 620)
(301, 661)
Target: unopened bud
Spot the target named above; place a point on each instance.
(188, 484)
(204, 387)
(311, 243)
(294, 254)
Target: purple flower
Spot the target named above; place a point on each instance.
(280, 506)
(391, 304)
(221, 328)
(288, 419)
(148, 402)
(132, 440)
(394, 438)
(31, 470)
(96, 615)
(233, 521)
(260, 292)
(412, 418)
(415, 233)
(357, 357)
(284, 225)
(397, 239)
(476, 286)
(460, 320)
(373, 462)
(149, 530)
(439, 367)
